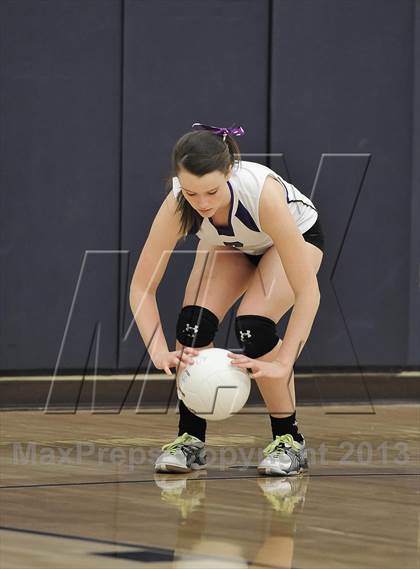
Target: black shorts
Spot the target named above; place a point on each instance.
(314, 235)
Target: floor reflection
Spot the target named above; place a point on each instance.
(207, 534)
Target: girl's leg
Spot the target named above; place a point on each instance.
(219, 277)
(271, 295)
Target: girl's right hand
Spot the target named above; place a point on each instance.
(181, 358)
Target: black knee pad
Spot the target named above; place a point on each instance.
(256, 334)
(196, 326)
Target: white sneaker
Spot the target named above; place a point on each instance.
(184, 454)
(283, 457)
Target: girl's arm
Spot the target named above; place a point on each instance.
(277, 221)
(151, 266)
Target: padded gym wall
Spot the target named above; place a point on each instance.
(95, 94)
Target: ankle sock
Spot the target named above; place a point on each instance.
(284, 426)
(190, 423)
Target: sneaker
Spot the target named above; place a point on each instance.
(283, 457)
(184, 454)
(286, 494)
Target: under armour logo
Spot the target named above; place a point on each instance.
(244, 335)
(236, 244)
(194, 329)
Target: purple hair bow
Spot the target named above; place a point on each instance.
(233, 130)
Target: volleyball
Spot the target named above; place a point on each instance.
(212, 388)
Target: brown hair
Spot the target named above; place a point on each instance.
(200, 152)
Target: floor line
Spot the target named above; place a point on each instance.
(144, 481)
(148, 548)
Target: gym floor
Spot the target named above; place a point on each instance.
(79, 491)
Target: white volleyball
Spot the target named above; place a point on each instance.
(211, 387)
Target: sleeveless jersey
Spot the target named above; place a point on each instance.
(244, 229)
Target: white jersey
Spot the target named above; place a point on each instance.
(244, 229)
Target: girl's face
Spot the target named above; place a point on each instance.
(206, 194)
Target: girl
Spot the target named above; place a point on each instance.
(260, 239)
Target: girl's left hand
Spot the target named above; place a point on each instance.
(270, 370)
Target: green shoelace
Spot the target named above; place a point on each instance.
(181, 440)
(279, 442)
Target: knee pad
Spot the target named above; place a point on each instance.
(196, 326)
(257, 335)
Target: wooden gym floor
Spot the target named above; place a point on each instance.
(78, 491)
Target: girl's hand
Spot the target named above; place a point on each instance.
(181, 358)
(270, 370)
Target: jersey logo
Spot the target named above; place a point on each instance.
(234, 243)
